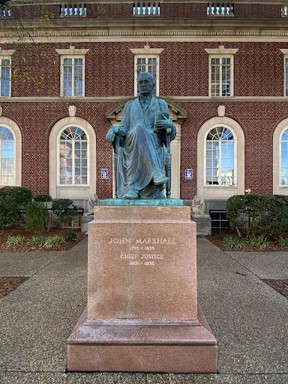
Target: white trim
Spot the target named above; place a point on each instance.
(10, 74)
(221, 56)
(73, 57)
(285, 57)
(88, 159)
(147, 51)
(6, 52)
(72, 51)
(217, 191)
(13, 127)
(221, 50)
(68, 191)
(121, 99)
(277, 188)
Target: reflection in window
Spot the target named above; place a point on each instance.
(220, 76)
(284, 159)
(73, 157)
(5, 67)
(286, 76)
(7, 160)
(73, 76)
(220, 163)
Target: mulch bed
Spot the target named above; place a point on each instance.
(9, 284)
(24, 247)
(217, 239)
(279, 285)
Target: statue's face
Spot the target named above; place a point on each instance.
(145, 85)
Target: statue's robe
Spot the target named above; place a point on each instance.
(142, 153)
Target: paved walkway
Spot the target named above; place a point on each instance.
(248, 318)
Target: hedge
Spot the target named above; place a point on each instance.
(258, 214)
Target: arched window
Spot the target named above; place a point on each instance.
(73, 157)
(7, 157)
(220, 157)
(284, 159)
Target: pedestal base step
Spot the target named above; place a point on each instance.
(127, 346)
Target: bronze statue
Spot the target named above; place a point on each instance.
(142, 145)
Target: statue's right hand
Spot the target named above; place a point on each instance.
(110, 135)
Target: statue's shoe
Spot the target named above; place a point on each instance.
(159, 178)
(131, 194)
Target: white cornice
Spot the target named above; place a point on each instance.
(119, 99)
(144, 36)
(17, 3)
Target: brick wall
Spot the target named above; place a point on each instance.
(184, 69)
(168, 10)
(258, 121)
(183, 72)
(257, 11)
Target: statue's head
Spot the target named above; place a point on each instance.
(146, 83)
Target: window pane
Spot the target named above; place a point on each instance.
(67, 80)
(220, 81)
(286, 77)
(147, 64)
(284, 159)
(73, 157)
(73, 76)
(220, 148)
(5, 77)
(7, 157)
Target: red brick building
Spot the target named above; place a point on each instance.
(67, 69)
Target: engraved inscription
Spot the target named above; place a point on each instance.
(142, 251)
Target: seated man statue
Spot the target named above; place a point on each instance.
(142, 137)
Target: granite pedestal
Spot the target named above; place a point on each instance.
(142, 313)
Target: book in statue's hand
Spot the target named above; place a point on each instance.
(159, 118)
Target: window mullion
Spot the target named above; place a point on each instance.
(73, 161)
(219, 165)
(73, 76)
(1, 161)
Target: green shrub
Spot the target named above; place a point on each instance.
(282, 241)
(233, 243)
(64, 210)
(36, 216)
(255, 215)
(15, 240)
(44, 198)
(53, 241)
(69, 236)
(36, 240)
(259, 241)
(13, 201)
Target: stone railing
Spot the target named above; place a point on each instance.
(73, 10)
(146, 8)
(284, 11)
(5, 12)
(220, 9)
